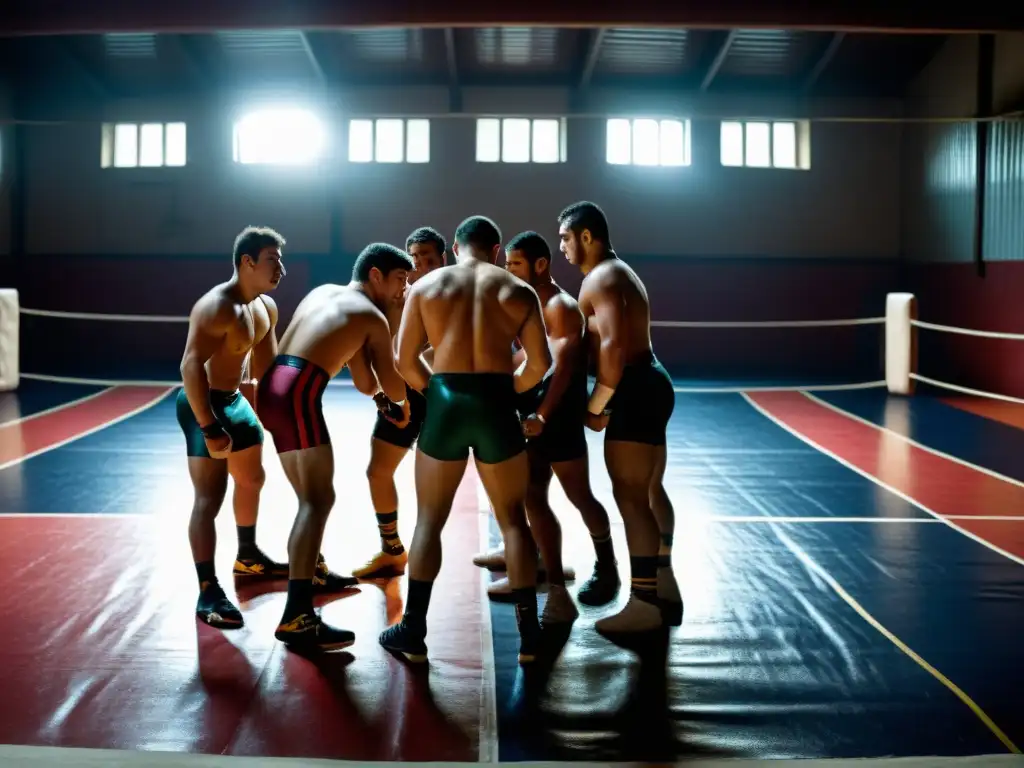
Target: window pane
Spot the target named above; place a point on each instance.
(175, 144)
(646, 142)
(126, 145)
(515, 140)
(784, 145)
(546, 143)
(417, 138)
(281, 137)
(759, 145)
(619, 149)
(732, 144)
(151, 145)
(390, 141)
(672, 143)
(360, 141)
(488, 140)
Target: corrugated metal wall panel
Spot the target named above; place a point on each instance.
(1004, 206)
(939, 182)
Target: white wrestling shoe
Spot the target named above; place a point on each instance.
(559, 608)
(502, 590)
(638, 616)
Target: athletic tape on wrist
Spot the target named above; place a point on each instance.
(599, 399)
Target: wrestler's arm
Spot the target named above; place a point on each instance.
(608, 307)
(265, 351)
(382, 359)
(412, 336)
(534, 338)
(208, 324)
(363, 377)
(565, 334)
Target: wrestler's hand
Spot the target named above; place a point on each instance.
(218, 442)
(382, 402)
(597, 423)
(406, 415)
(532, 426)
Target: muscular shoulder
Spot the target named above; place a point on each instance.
(214, 310)
(271, 307)
(562, 315)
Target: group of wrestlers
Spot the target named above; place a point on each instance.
(473, 357)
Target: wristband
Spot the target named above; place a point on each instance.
(599, 399)
(213, 429)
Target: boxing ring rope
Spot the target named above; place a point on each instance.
(901, 349)
(900, 322)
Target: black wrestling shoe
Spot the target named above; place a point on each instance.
(601, 588)
(401, 639)
(529, 646)
(252, 563)
(308, 632)
(326, 581)
(214, 608)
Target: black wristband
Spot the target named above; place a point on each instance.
(213, 429)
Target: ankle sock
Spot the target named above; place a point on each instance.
(207, 574)
(387, 524)
(644, 577)
(300, 599)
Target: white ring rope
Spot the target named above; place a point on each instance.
(654, 323)
(766, 323)
(965, 390)
(968, 331)
(100, 316)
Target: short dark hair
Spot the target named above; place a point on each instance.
(385, 257)
(586, 215)
(532, 245)
(252, 240)
(478, 232)
(427, 236)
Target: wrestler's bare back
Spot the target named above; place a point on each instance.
(613, 292)
(231, 328)
(331, 324)
(471, 313)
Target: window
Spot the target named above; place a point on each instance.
(389, 141)
(762, 144)
(648, 142)
(279, 137)
(145, 145)
(520, 140)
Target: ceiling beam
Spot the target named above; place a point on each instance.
(82, 67)
(314, 61)
(31, 17)
(452, 59)
(824, 60)
(591, 56)
(718, 61)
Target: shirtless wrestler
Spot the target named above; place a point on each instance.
(470, 313)
(553, 415)
(632, 402)
(231, 329)
(389, 443)
(333, 326)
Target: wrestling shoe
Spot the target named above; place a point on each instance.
(601, 588)
(559, 608)
(669, 599)
(327, 581)
(492, 561)
(252, 563)
(383, 565)
(639, 615)
(401, 639)
(308, 632)
(500, 590)
(214, 608)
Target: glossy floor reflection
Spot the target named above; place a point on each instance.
(853, 581)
